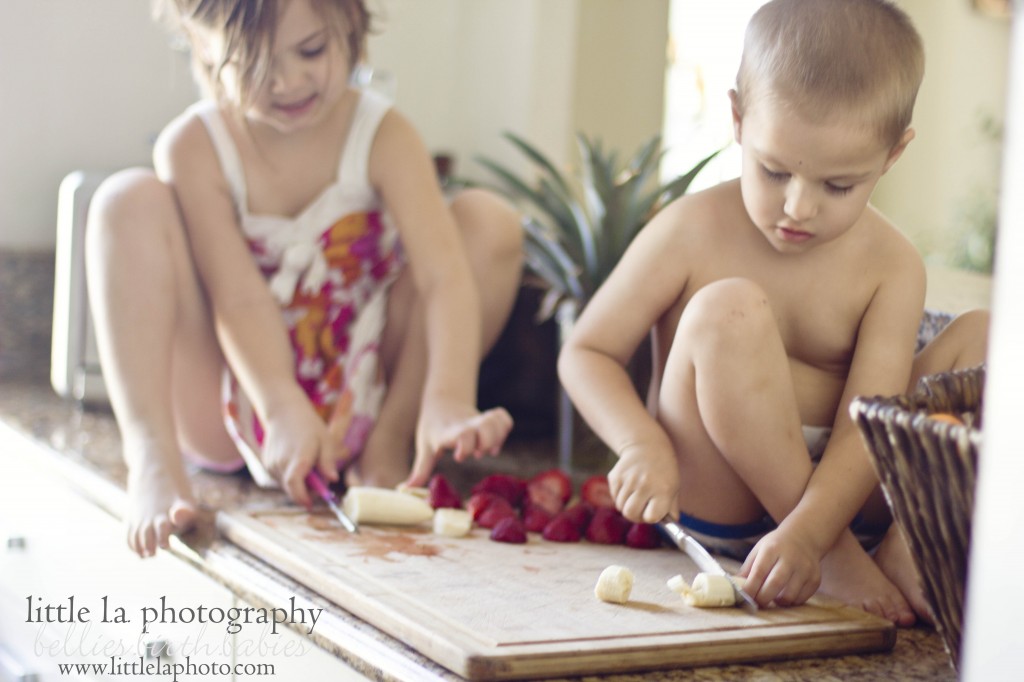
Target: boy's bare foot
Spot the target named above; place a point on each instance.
(894, 558)
(850, 575)
(385, 461)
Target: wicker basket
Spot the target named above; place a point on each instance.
(927, 469)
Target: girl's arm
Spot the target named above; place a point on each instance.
(247, 319)
(403, 173)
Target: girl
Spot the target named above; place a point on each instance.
(294, 233)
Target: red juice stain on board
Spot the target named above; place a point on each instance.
(380, 542)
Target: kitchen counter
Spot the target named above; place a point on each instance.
(83, 447)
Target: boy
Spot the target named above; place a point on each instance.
(772, 301)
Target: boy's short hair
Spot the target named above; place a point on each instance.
(824, 56)
(247, 28)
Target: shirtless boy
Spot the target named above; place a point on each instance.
(772, 301)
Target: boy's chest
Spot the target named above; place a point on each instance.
(817, 304)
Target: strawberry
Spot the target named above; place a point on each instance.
(580, 514)
(595, 491)
(478, 502)
(509, 529)
(535, 517)
(511, 488)
(442, 494)
(498, 509)
(643, 536)
(550, 489)
(561, 529)
(607, 527)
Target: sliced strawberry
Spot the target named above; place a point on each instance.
(561, 529)
(607, 527)
(643, 536)
(535, 517)
(580, 514)
(498, 509)
(511, 488)
(595, 491)
(509, 529)
(478, 502)
(550, 489)
(442, 494)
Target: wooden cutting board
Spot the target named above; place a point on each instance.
(488, 610)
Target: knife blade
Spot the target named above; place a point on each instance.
(705, 562)
(315, 481)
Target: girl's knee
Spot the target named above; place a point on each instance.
(130, 200)
(488, 224)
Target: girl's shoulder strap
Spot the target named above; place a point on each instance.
(355, 159)
(227, 152)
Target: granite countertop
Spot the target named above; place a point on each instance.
(86, 448)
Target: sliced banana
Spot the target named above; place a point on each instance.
(614, 584)
(385, 506)
(415, 491)
(452, 523)
(706, 591)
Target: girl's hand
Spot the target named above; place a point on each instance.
(783, 567)
(645, 484)
(296, 441)
(467, 432)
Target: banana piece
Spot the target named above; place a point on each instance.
(416, 491)
(385, 506)
(452, 523)
(706, 591)
(614, 585)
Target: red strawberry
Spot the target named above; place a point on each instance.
(561, 529)
(580, 514)
(511, 488)
(643, 536)
(550, 489)
(498, 509)
(478, 502)
(607, 527)
(442, 494)
(535, 517)
(509, 529)
(595, 491)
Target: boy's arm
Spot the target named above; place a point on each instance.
(402, 172)
(648, 280)
(882, 363)
(247, 319)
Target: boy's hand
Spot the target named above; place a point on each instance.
(296, 441)
(467, 432)
(783, 568)
(645, 484)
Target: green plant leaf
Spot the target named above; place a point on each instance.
(538, 158)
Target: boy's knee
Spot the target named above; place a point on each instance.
(735, 307)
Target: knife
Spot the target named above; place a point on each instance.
(316, 482)
(705, 562)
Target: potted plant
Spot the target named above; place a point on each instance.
(577, 228)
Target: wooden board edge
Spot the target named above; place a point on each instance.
(518, 665)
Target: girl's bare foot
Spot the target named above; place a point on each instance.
(385, 461)
(160, 502)
(850, 575)
(895, 560)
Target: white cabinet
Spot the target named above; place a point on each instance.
(61, 551)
